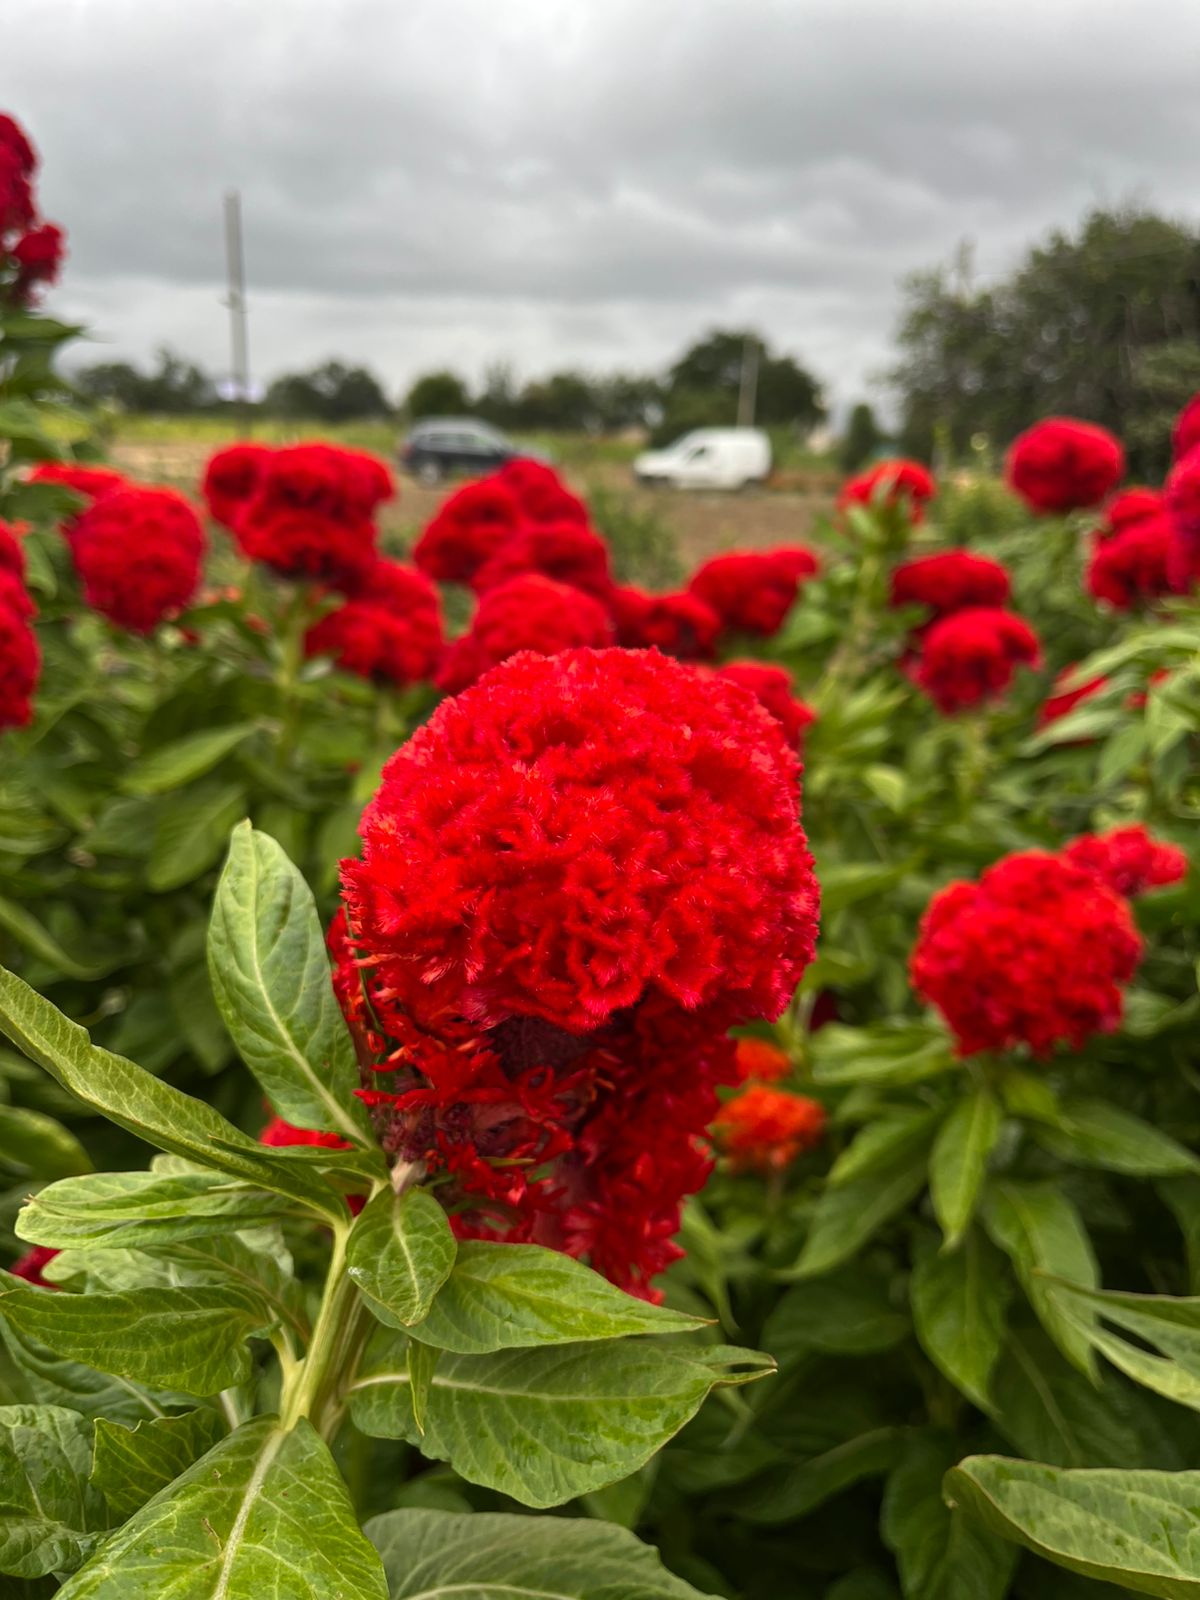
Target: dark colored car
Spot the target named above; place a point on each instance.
(444, 447)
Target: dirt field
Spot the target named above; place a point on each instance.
(700, 523)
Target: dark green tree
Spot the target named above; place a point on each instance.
(786, 393)
(862, 438)
(331, 392)
(438, 394)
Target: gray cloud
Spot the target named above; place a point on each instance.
(459, 181)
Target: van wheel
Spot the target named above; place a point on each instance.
(429, 473)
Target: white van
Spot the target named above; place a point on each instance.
(709, 458)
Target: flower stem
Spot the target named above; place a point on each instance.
(315, 1386)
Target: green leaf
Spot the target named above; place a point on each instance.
(188, 1339)
(959, 1300)
(183, 759)
(35, 1145)
(490, 1556)
(1120, 753)
(1169, 1325)
(1041, 1232)
(36, 1376)
(545, 1425)
(1139, 1529)
(191, 831)
(890, 1054)
(29, 932)
(130, 1465)
(959, 1161)
(145, 1106)
(264, 1513)
(794, 1491)
(422, 1364)
(883, 1141)
(1095, 1133)
(126, 1209)
(49, 1516)
(504, 1296)
(400, 1253)
(847, 1313)
(852, 881)
(846, 1217)
(270, 976)
(1182, 1198)
(942, 1555)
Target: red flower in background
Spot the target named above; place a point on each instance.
(1182, 494)
(752, 591)
(16, 193)
(309, 545)
(138, 553)
(1062, 464)
(20, 663)
(950, 581)
(772, 688)
(1185, 436)
(469, 528)
(14, 142)
(1129, 507)
(760, 1061)
(38, 255)
(564, 551)
(541, 493)
(32, 1265)
(1061, 702)
(971, 657)
(91, 482)
(378, 640)
(282, 1135)
(310, 514)
(12, 553)
(680, 625)
(231, 480)
(574, 879)
(1033, 954)
(14, 596)
(1128, 859)
(764, 1130)
(526, 613)
(1134, 567)
(899, 482)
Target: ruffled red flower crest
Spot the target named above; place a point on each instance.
(972, 656)
(1128, 859)
(752, 591)
(530, 612)
(1062, 464)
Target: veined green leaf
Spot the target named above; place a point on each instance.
(846, 1313)
(399, 1253)
(959, 1161)
(959, 1300)
(183, 759)
(1041, 1232)
(882, 1142)
(847, 1216)
(33, 1145)
(545, 1425)
(265, 1512)
(25, 928)
(190, 831)
(126, 1209)
(1164, 1322)
(503, 1296)
(130, 1465)
(942, 1555)
(793, 1491)
(50, 1518)
(886, 1054)
(270, 975)
(1095, 1133)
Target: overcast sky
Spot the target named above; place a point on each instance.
(593, 182)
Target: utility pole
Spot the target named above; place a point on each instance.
(748, 388)
(235, 269)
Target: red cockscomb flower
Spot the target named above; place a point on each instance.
(541, 493)
(1033, 954)
(20, 663)
(891, 483)
(971, 656)
(281, 1135)
(752, 591)
(1062, 700)
(91, 482)
(38, 255)
(1133, 567)
(32, 1265)
(680, 625)
(322, 478)
(16, 194)
(138, 553)
(381, 642)
(950, 581)
(469, 528)
(772, 688)
(14, 596)
(764, 1130)
(231, 480)
(308, 545)
(575, 877)
(1062, 464)
(760, 1061)
(1185, 435)
(14, 141)
(564, 551)
(526, 613)
(1128, 860)
(1129, 507)
(1182, 495)
(12, 553)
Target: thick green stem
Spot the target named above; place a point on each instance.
(314, 1387)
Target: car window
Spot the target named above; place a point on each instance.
(698, 453)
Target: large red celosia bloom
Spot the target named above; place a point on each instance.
(1134, 567)
(381, 641)
(891, 483)
(138, 553)
(575, 878)
(526, 613)
(20, 658)
(1185, 436)
(91, 482)
(14, 141)
(1062, 464)
(950, 581)
(469, 528)
(1128, 859)
(541, 493)
(752, 591)
(1063, 700)
(309, 545)
(764, 1130)
(971, 656)
(1033, 954)
(772, 688)
(1182, 494)
(565, 551)
(231, 480)
(1128, 507)
(680, 625)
